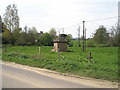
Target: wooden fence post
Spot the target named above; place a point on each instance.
(58, 54)
(39, 51)
(90, 56)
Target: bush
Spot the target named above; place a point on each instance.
(90, 43)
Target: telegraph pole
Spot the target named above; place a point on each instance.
(63, 30)
(79, 36)
(85, 38)
(59, 32)
(83, 47)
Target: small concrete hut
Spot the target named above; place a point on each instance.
(60, 43)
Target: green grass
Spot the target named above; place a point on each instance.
(89, 43)
(104, 63)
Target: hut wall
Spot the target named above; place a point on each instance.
(55, 47)
(61, 46)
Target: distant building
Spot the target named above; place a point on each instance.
(60, 43)
(41, 32)
(119, 14)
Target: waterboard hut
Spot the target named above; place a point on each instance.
(60, 43)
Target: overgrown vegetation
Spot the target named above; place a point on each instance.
(21, 46)
(111, 38)
(104, 63)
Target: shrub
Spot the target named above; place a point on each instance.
(90, 43)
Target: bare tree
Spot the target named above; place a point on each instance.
(114, 39)
(33, 30)
(52, 33)
(11, 18)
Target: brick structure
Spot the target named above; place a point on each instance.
(60, 43)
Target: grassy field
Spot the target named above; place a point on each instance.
(104, 63)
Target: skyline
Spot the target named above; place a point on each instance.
(67, 14)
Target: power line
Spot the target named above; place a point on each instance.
(102, 19)
(92, 21)
(73, 25)
(99, 24)
(80, 23)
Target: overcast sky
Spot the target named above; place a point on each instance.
(67, 14)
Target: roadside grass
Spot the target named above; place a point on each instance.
(104, 63)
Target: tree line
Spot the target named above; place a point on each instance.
(106, 37)
(13, 34)
(29, 36)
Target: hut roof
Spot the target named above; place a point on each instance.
(60, 39)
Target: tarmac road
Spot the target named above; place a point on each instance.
(17, 77)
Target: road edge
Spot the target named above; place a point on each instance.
(98, 83)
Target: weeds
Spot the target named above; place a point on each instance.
(104, 64)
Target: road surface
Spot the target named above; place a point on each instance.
(20, 77)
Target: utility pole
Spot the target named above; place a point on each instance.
(63, 30)
(58, 32)
(83, 47)
(79, 36)
(85, 38)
